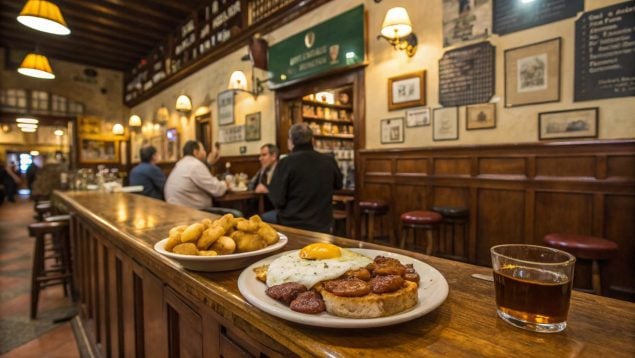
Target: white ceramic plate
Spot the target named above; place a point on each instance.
(221, 262)
(433, 289)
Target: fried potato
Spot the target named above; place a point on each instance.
(226, 222)
(209, 236)
(177, 230)
(207, 253)
(186, 249)
(247, 225)
(207, 223)
(173, 241)
(256, 219)
(261, 273)
(192, 232)
(268, 233)
(249, 242)
(224, 245)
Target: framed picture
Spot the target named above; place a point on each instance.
(407, 91)
(392, 130)
(225, 108)
(532, 73)
(231, 134)
(98, 151)
(573, 123)
(480, 116)
(445, 124)
(252, 127)
(418, 117)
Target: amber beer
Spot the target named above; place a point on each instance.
(533, 286)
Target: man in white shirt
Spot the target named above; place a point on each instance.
(190, 183)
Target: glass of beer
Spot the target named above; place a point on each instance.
(533, 286)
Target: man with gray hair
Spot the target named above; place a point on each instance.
(302, 189)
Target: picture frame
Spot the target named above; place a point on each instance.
(252, 127)
(226, 108)
(392, 130)
(98, 151)
(568, 124)
(407, 90)
(532, 73)
(445, 123)
(231, 134)
(480, 116)
(419, 117)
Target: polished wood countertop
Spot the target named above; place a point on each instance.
(466, 324)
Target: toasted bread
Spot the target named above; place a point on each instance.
(372, 305)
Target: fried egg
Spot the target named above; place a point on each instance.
(314, 263)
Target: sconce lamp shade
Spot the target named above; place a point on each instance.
(183, 103)
(43, 16)
(59, 132)
(396, 23)
(134, 121)
(237, 81)
(36, 65)
(117, 129)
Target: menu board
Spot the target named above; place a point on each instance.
(466, 75)
(605, 53)
(513, 15)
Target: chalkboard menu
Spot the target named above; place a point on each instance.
(513, 15)
(605, 53)
(466, 75)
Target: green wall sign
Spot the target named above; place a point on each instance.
(335, 43)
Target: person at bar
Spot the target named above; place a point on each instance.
(260, 182)
(303, 186)
(148, 174)
(49, 176)
(190, 183)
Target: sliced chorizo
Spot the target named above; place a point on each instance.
(386, 284)
(347, 287)
(285, 292)
(308, 302)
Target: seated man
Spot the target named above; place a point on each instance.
(148, 174)
(190, 183)
(260, 182)
(302, 189)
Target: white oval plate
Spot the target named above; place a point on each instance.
(433, 290)
(221, 262)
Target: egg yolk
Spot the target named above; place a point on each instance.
(320, 251)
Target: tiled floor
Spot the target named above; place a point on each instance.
(20, 336)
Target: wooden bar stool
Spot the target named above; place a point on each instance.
(595, 249)
(43, 274)
(42, 209)
(370, 210)
(421, 219)
(453, 218)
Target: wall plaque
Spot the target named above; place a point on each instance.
(605, 53)
(466, 75)
(513, 15)
(466, 20)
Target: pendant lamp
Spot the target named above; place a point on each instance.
(36, 65)
(43, 16)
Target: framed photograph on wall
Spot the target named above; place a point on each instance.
(480, 116)
(225, 108)
(532, 73)
(231, 134)
(572, 123)
(252, 127)
(407, 91)
(392, 130)
(98, 151)
(418, 117)
(445, 124)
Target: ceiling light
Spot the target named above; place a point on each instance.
(34, 153)
(183, 103)
(36, 65)
(27, 125)
(27, 120)
(43, 16)
(59, 132)
(30, 130)
(134, 121)
(117, 129)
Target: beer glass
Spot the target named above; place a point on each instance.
(533, 286)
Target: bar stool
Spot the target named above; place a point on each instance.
(370, 210)
(595, 249)
(453, 217)
(59, 273)
(421, 219)
(42, 209)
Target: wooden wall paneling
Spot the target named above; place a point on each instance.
(114, 300)
(211, 329)
(620, 166)
(530, 216)
(514, 166)
(127, 307)
(94, 282)
(447, 239)
(384, 225)
(378, 166)
(248, 164)
(562, 212)
(154, 316)
(566, 166)
(473, 226)
(454, 166)
(619, 226)
(412, 166)
(184, 327)
(104, 299)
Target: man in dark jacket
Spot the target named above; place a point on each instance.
(302, 189)
(148, 174)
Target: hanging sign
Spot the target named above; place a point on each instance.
(513, 15)
(335, 43)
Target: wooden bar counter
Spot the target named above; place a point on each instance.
(135, 302)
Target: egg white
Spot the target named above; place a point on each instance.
(291, 268)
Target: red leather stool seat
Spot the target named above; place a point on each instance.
(582, 247)
(422, 217)
(374, 205)
(372, 210)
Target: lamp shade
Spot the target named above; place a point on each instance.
(134, 121)
(237, 81)
(36, 65)
(183, 103)
(396, 23)
(59, 132)
(43, 16)
(27, 120)
(117, 129)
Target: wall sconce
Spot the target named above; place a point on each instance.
(183, 103)
(162, 115)
(58, 132)
(134, 122)
(397, 30)
(238, 82)
(118, 129)
(6, 128)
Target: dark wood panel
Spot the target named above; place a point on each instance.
(154, 329)
(621, 166)
(378, 166)
(570, 166)
(502, 165)
(185, 330)
(239, 164)
(450, 196)
(562, 212)
(619, 226)
(452, 166)
(413, 166)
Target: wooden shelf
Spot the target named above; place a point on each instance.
(338, 121)
(335, 136)
(327, 105)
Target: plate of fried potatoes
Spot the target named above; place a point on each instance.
(224, 244)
